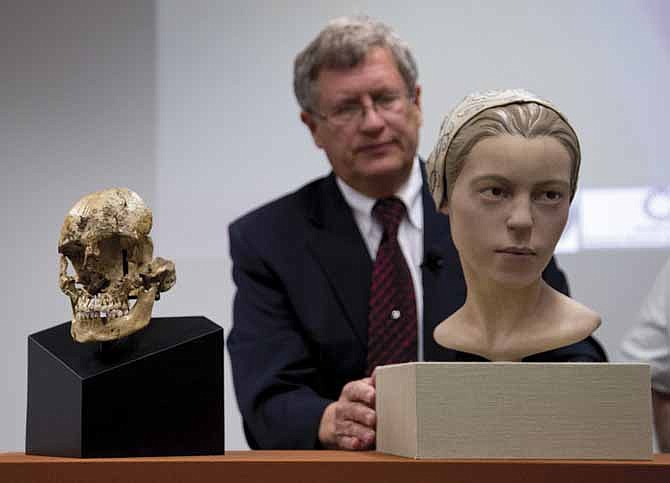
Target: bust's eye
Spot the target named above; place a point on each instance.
(493, 192)
(550, 196)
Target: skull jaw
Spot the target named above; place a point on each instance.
(116, 328)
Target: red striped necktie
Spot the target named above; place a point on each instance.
(392, 322)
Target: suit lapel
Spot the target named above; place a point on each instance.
(340, 250)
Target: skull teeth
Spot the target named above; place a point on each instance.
(101, 305)
(96, 315)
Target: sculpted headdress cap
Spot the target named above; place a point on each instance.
(468, 108)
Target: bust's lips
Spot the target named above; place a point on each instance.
(517, 250)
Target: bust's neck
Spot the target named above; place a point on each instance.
(508, 325)
(500, 311)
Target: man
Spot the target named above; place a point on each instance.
(649, 341)
(307, 266)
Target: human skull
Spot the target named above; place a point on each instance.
(106, 238)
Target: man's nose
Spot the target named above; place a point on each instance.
(372, 120)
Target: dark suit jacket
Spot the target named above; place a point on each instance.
(303, 273)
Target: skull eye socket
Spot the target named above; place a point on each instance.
(74, 251)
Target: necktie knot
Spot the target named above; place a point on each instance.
(389, 212)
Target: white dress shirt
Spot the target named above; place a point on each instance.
(410, 231)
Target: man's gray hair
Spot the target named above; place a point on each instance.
(343, 44)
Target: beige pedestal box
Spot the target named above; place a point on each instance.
(514, 410)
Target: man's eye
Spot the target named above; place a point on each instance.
(386, 101)
(346, 110)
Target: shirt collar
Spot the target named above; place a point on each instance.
(409, 193)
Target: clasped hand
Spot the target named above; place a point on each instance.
(350, 422)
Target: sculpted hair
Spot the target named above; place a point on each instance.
(526, 119)
(343, 44)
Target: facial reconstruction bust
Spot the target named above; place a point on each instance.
(106, 238)
(505, 171)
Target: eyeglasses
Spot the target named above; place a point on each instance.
(352, 113)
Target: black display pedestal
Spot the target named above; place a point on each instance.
(159, 392)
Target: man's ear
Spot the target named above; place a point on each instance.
(309, 121)
(417, 103)
(417, 96)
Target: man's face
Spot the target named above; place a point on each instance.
(374, 153)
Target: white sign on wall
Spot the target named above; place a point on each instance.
(618, 218)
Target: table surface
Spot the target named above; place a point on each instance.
(324, 467)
